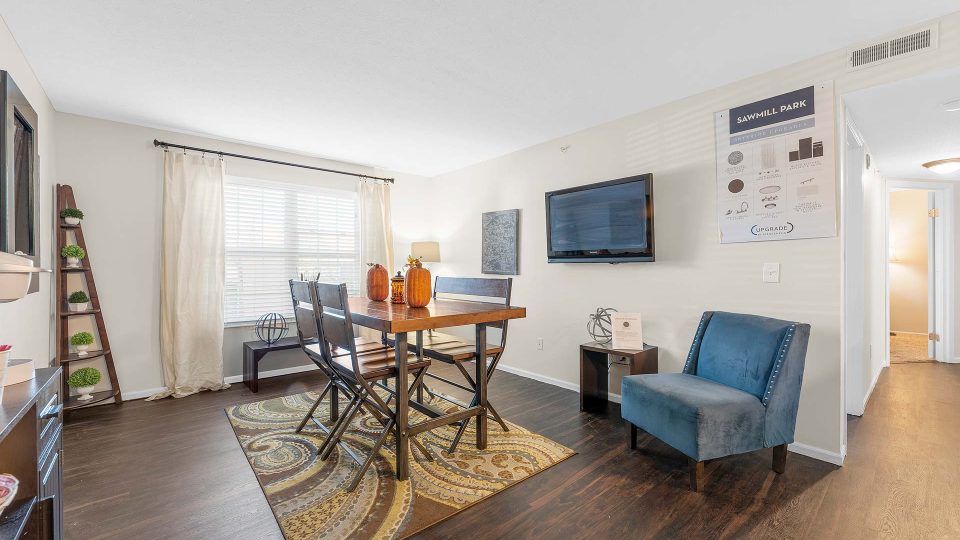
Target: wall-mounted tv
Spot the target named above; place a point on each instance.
(607, 222)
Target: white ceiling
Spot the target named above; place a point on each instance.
(905, 124)
(417, 86)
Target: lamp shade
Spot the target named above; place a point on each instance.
(426, 251)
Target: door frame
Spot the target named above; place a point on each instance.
(944, 242)
(852, 154)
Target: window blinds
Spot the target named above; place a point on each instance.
(275, 232)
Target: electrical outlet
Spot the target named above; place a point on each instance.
(771, 272)
(540, 344)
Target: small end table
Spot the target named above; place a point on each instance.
(254, 351)
(595, 371)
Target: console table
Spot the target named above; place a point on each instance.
(595, 371)
(31, 424)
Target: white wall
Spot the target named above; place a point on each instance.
(27, 324)
(116, 174)
(693, 271)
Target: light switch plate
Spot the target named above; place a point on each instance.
(771, 272)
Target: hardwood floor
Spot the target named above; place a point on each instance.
(173, 469)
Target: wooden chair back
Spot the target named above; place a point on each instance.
(305, 316)
(480, 289)
(336, 325)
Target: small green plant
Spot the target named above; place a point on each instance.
(78, 297)
(87, 376)
(81, 338)
(71, 212)
(74, 251)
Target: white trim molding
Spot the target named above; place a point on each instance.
(232, 379)
(140, 394)
(538, 377)
(817, 453)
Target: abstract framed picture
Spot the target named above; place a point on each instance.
(501, 242)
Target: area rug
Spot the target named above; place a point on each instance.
(307, 495)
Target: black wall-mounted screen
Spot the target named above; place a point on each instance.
(605, 222)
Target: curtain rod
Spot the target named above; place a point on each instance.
(265, 160)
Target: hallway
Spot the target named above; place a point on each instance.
(901, 471)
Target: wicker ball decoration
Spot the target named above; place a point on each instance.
(271, 328)
(600, 326)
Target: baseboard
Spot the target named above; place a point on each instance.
(273, 373)
(817, 453)
(542, 378)
(232, 379)
(873, 384)
(140, 394)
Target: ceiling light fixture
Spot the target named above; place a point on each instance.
(944, 166)
(952, 106)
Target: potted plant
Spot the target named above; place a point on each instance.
(82, 341)
(73, 253)
(71, 216)
(83, 380)
(78, 301)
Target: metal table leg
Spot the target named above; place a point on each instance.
(403, 407)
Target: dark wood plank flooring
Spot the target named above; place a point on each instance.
(173, 469)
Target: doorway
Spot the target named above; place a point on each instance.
(911, 286)
(919, 236)
(892, 133)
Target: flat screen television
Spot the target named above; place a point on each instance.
(608, 222)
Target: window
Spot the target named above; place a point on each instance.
(275, 232)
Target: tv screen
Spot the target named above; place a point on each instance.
(605, 222)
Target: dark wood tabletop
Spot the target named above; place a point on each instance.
(439, 313)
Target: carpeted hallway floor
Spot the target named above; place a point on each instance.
(908, 348)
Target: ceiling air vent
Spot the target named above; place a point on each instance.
(899, 46)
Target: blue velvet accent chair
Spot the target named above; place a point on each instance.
(739, 391)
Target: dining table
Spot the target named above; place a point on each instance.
(400, 320)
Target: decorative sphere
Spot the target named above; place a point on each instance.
(271, 328)
(600, 326)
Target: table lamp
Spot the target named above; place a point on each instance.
(426, 251)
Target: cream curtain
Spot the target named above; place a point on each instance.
(376, 234)
(191, 275)
(376, 231)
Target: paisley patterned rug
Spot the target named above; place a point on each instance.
(307, 495)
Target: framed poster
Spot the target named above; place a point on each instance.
(500, 243)
(776, 172)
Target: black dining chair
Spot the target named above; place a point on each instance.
(308, 333)
(361, 372)
(453, 350)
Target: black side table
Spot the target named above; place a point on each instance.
(254, 351)
(595, 371)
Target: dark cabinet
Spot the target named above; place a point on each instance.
(31, 448)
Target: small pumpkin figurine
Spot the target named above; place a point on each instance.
(417, 284)
(378, 282)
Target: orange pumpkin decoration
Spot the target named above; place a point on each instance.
(378, 282)
(417, 285)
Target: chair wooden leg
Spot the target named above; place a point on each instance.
(780, 458)
(696, 474)
(631, 435)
